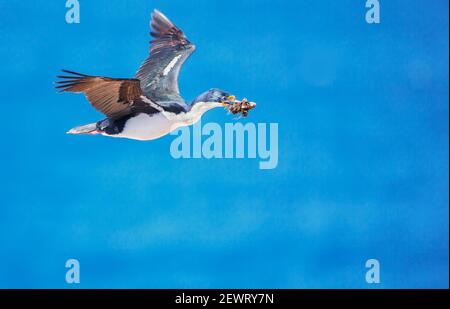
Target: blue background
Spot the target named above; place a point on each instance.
(363, 149)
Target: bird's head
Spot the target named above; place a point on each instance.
(213, 97)
(218, 98)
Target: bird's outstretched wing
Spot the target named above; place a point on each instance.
(113, 97)
(169, 48)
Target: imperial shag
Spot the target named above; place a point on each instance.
(148, 106)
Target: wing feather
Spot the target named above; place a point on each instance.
(113, 97)
(169, 48)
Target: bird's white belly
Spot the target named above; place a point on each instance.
(146, 127)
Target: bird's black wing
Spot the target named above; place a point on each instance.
(169, 48)
(113, 97)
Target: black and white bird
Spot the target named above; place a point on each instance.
(148, 106)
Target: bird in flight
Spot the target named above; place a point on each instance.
(148, 106)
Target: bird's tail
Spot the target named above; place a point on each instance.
(86, 129)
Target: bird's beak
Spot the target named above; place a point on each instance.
(229, 100)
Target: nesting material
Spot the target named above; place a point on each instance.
(240, 107)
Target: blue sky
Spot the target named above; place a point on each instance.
(363, 149)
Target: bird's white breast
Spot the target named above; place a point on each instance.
(146, 127)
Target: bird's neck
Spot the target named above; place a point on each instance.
(197, 110)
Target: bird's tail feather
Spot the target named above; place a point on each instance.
(86, 129)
